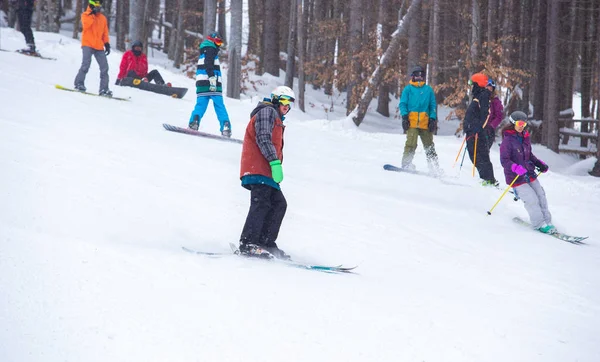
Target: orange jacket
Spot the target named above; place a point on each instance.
(95, 30)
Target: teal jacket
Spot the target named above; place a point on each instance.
(418, 103)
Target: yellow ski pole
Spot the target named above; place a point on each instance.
(504, 193)
(458, 154)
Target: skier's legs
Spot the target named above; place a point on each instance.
(222, 115)
(101, 59)
(155, 76)
(532, 204)
(200, 108)
(260, 206)
(410, 146)
(482, 163)
(86, 61)
(24, 16)
(541, 195)
(273, 219)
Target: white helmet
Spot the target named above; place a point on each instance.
(283, 93)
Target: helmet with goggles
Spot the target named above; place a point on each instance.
(283, 95)
(215, 37)
(518, 116)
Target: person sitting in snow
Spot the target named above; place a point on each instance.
(134, 64)
(520, 165)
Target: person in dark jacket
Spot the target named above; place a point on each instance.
(134, 64)
(476, 119)
(208, 84)
(419, 113)
(24, 15)
(496, 114)
(519, 162)
(261, 173)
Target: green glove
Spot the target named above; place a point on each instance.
(276, 171)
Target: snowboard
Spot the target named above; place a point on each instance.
(88, 93)
(291, 263)
(175, 92)
(192, 132)
(561, 236)
(442, 179)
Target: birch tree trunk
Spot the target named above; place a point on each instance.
(385, 22)
(386, 60)
(234, 72)
(210, 16)
(356, 25)
(136, 20)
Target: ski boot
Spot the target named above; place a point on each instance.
(278, 253)
(254, 251)
(493, 183)
(547, 229)
(226, 132)
(195, 123)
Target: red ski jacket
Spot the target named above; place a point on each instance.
(129, 62)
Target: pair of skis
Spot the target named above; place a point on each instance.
(295, 264)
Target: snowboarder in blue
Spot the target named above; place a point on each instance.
(208, 84)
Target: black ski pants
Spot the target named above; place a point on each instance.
(24, 15)
(154, 75)
(483, 163)
(267, 209)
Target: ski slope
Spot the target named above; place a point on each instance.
(97, 200)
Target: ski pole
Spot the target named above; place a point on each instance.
(463, 158)
(475, 155)
(460, 149)
(504, 193)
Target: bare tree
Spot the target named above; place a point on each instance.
(77, 21)
(136, 20)
(550, 135)
(210, 16)
(386, 60)
(270, 37)
(234, 71)
(356, 26)
(291, 49)
(302, 21)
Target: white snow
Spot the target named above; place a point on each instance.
(97, 200)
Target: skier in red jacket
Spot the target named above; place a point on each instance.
(134, 64)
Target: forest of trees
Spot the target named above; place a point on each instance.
(540, 52)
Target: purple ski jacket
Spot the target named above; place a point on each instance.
(516, 148)
(496, 109)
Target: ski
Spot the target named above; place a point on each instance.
(291, 263)
(577, 240)
(57, 86)
(35, 55)
(192, 132)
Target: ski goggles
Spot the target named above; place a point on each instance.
(286, 100)
(520, 123)
(419, 74)
(96, 3)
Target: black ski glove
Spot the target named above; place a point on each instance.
(107, 48)
(405, 123)
(431, 125)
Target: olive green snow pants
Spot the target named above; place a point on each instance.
(410, 147)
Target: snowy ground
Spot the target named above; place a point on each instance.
(98, 199)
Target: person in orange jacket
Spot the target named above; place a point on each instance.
(94, 41)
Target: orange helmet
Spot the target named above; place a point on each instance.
(480, 79)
